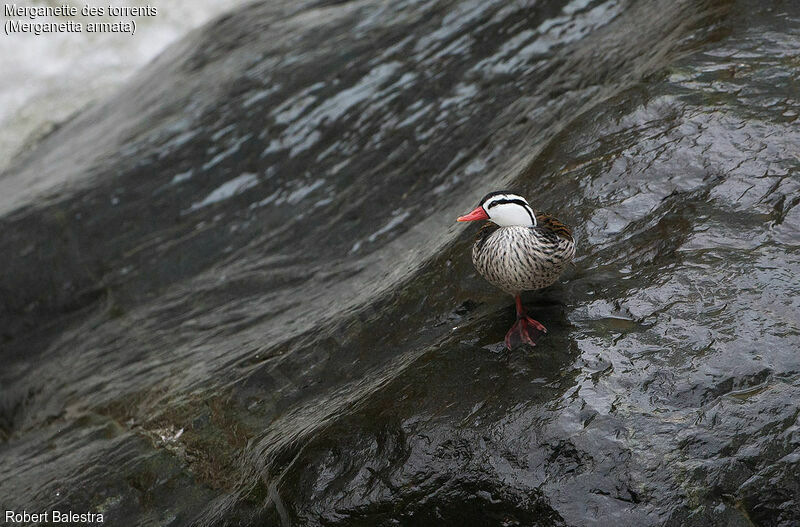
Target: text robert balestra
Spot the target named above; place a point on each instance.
(53, 516)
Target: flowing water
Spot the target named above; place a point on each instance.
(49, 77)
(237, 294)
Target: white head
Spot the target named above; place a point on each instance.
(503, 208)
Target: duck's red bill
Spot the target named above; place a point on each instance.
(477, 214)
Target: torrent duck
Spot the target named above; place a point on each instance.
(519, 250)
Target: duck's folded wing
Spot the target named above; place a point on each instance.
(548, 222)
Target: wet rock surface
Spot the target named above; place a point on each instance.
(237, 295)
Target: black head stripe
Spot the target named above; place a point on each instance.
(490, 195)
(505, 201)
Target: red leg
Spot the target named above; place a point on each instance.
(526, 330)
